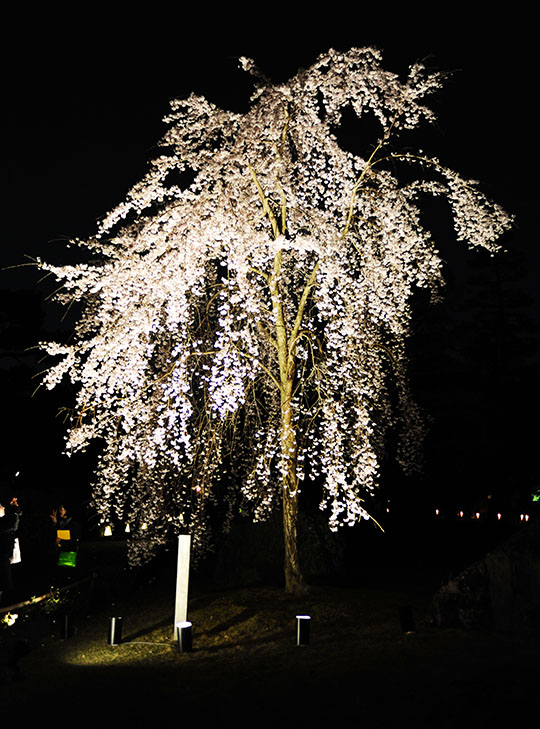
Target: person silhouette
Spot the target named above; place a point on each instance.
(9, 524)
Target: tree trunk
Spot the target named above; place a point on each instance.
(286, 344)
(294, 581)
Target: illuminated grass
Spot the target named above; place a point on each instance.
(245, 659)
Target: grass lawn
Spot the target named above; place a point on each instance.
(246, 670)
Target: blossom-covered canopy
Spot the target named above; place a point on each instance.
(246, 307)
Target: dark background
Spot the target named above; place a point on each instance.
(83, 102)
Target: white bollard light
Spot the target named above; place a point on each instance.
(302, 629)
(184, 636)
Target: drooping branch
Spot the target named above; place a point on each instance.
(246, 324)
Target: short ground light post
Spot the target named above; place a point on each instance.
(302, 629)
(184, 637)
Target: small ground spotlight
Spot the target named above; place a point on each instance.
(302, 629)
(184, 637)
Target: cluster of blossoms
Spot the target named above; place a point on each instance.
(251, 322)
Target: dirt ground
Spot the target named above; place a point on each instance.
(246, 669)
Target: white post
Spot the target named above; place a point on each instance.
(182, 579)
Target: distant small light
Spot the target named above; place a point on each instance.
(499, 517)
(437, 512)
(478, 515)
(144, 527)
(127, 529)
(387, 510)
(107, 532)
(461, 513)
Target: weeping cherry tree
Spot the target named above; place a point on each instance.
(246, 308)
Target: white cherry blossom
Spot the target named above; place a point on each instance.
(243, 336)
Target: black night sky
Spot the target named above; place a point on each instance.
(82, 112)
(83, 95)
